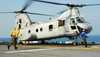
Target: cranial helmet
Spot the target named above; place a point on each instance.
(83, 30)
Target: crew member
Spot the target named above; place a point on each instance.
(14, 35)
(84, 36)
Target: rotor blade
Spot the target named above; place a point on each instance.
(27, 13)
(69, 5)
(92, 4)
(7, 12)
(39, 14)
(27, 4)
(49, 2)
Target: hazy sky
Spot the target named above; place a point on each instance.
(91, 14)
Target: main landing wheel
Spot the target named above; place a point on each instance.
(43, 42)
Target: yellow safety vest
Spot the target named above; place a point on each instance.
(14, 33)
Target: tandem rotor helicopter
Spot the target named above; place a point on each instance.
(70, 24)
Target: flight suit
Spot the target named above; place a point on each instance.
(83, 35)
(14, 35)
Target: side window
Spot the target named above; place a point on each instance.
(61, 23)
(36, 30)
(29, 31)
(73, 21)
(19, 26)
(41, 29)
(50, 27)
(20, 20)
(73, 27)
(17, 22)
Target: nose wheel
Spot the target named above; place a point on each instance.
(20, 43)
(43, 42)
(77, 42)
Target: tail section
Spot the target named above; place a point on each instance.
(73, 11)
(22, 20)
(65, 14)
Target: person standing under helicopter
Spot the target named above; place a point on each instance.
(14, 34)
(84, 36)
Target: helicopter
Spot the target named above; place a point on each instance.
(70, 24)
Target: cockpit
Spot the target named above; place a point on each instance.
(79, 20)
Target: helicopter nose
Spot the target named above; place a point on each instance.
(86, 26)
(89, 28)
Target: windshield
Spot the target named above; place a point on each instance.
(80, 20)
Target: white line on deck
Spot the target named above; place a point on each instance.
(17, 51)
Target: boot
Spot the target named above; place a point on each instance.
(16, 47)
(8, 47)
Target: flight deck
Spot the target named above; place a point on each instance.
(50, 51)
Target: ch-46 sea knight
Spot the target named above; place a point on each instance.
(69, 24)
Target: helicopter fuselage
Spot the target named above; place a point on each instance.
(69, 24)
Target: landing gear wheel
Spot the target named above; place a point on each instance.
(20, 43)
(42, 42)
(75, 43)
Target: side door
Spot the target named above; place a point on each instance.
(73, 25)
(61, 29)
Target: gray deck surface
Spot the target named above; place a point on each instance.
(47, 52)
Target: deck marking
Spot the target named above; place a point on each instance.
(81, 48)
(17, 51)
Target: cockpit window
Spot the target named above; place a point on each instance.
(80, 20)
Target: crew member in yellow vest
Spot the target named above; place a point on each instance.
(14, 35)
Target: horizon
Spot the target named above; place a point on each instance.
(56, 38)
(64, 39)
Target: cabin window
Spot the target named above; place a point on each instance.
(41, 29)
(73, 21)
(21, 34)
(36, 30)
(50, 27)
(29, 31)
(61, 23)
(73, 27)
(19, 26)
(17, 22)
(20, 20)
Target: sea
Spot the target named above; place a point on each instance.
(91, 38)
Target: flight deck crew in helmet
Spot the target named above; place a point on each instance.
(14, 35)
(84, 36)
